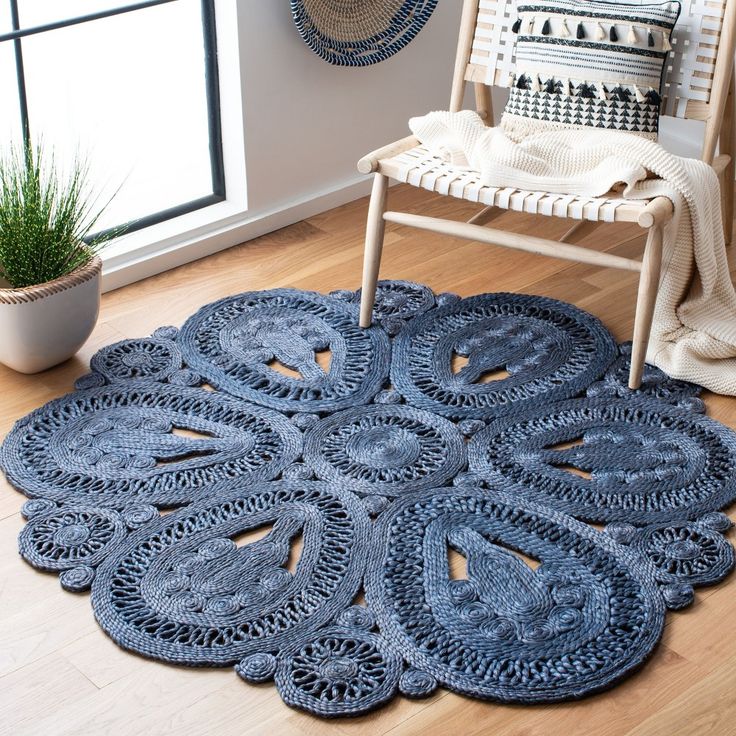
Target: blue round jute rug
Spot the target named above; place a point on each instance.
(323, 479)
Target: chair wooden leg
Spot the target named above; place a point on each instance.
(727, 187)
(727, 145)
(486, 215)
(373, 246)
(579, 231)
(646, 299)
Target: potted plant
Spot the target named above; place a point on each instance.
(50, 272)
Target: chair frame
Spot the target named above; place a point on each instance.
(720, 130)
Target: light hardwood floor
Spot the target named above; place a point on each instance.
(59, 674)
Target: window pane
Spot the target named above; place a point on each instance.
(10, 125)
(5, 24)
(129, 95)
(39, 12)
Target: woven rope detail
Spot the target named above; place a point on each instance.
(639, 461)
(549, 349)
(654, 384)
(359, 33)
(186, 593)
(386, 450)
(498, 632)
(33, 293)
(233, 341)
(339, 672)
(685, 553)
(353, 20)
(115, 445)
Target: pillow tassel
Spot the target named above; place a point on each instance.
(613, 34)
(602, 94)
(600, 34)
(653, 97)
(581, 30)
(564, 30)
(550, 87)
(536, 87)
(639, 96)
(650, 38)
(546, 28)
(666, 46)
(632, 37)
(530, 26)
(586, 90)
(517, 26)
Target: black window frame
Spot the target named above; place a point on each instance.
(212, 89)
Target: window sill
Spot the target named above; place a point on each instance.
(204, 232)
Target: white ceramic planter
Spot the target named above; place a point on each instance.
(41, 326)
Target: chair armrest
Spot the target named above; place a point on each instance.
(720, 163)
(657, 212)
(369, 163)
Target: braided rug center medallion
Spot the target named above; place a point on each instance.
(464, 496)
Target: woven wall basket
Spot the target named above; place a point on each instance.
(359, 32)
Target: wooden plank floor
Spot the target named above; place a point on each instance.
(59, 674)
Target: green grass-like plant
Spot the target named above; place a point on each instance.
(45, 218)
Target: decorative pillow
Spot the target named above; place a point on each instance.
(584, 63)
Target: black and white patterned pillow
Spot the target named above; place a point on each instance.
(584, 63)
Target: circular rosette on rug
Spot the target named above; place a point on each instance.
(71, 541)
(236, 342)
(339, 672)
(212, 583)
(608, 459)
(152, 358)
(359, 32)
(386, 450)
(493, 354)
(144, 442)
(685, 554)
(507, 629)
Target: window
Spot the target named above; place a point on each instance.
(132, 89)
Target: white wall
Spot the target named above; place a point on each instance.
(307, 122)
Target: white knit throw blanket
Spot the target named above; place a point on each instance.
(694, 330)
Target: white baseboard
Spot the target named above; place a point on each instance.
(126, 267)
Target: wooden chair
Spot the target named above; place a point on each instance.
(699, 84)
